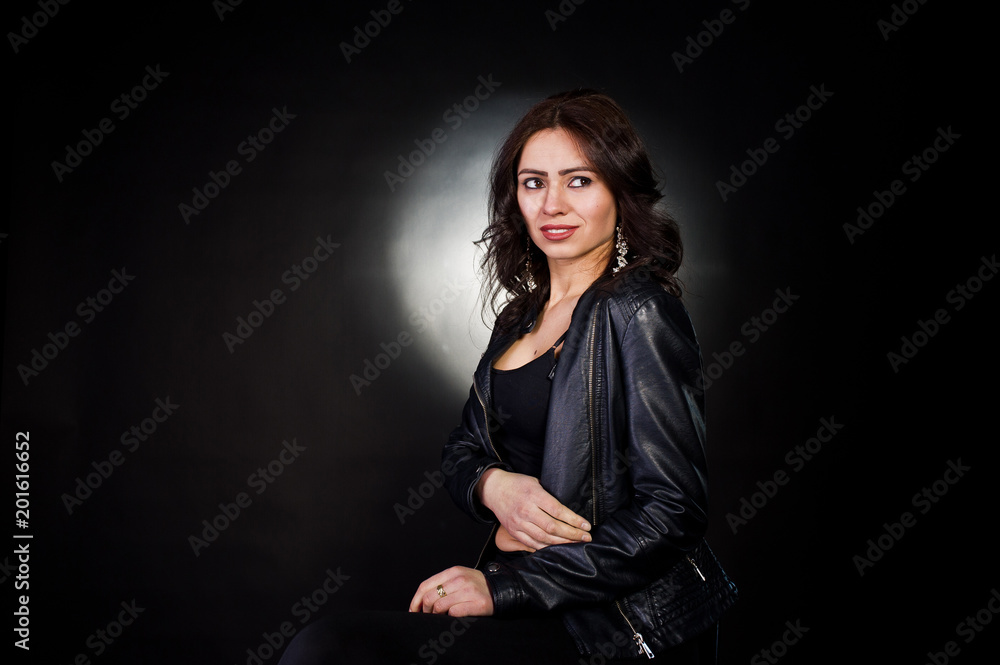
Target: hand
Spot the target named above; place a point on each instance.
(508, 543)
(465, 594)
(528, 513)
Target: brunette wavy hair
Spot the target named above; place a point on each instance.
(611, 145)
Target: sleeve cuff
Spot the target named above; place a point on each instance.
(508, 596)
(483, 513)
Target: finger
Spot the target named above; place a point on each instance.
(425, 603)
(417, 602)
(444, 595)
(557, 511)
(545, 528)
(436, 603)
(468, 608)
(508, 543)
(422, 600)
(528, 541)
(561, 529)
(420, 603)
(536, 538)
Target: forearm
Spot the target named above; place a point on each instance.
(628, 552)
(465, 459)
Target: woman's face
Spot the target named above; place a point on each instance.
(569, 210)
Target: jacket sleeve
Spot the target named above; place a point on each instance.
(660, 373)
(467, 455)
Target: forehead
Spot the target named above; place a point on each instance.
(555, 146)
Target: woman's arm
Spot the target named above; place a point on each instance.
(508, 543)
(528, 514)
(635, 545)
(487, 490)
(466, 457)
(457, 591)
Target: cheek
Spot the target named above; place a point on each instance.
(603, 213)
(528, 205)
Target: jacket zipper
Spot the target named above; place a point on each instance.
(590, 413)
(696, 569)
(486, 420)
(636, 635)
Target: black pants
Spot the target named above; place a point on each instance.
(403, 638)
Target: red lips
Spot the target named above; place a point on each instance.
(556, 232)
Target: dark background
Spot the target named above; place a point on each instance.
(336, 507)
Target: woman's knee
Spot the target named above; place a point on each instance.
(313, 645)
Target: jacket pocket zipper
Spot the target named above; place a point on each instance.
(696, 569)
(636, 635)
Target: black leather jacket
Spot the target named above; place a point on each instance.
(625, 448)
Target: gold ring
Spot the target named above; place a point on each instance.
(441, 592)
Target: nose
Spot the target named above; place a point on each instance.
(555, 202)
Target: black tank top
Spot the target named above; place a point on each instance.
(521, 405)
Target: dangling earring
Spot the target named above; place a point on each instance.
(622, 248)
(527, 268)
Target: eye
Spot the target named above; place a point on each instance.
(580, 181)
(532, 183)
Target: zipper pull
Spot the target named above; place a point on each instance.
(643, 647)
(696, 569)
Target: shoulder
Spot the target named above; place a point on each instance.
(639, 301)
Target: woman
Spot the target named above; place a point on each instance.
(583, 436)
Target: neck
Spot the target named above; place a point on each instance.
(571, 279)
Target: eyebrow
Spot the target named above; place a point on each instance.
(563, 172)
